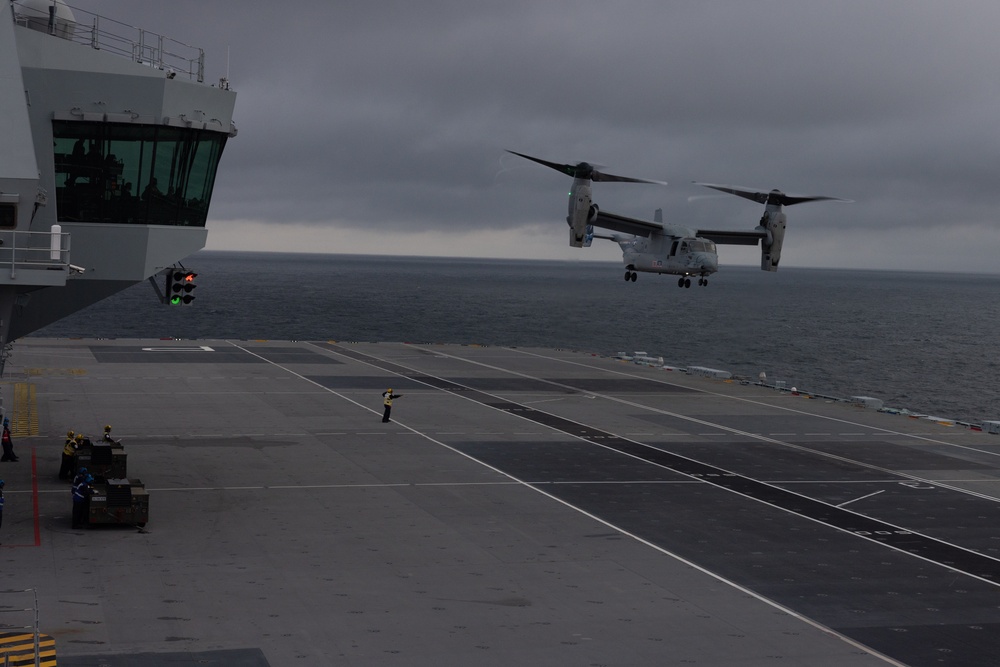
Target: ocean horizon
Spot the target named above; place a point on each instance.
(915, 340)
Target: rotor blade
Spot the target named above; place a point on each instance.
(568, 169)
(746, 193)
(769, 197)
(585, 170)
(600, 176)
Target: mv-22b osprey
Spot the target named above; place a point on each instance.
(655, 247)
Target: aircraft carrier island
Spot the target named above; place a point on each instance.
(523, 506)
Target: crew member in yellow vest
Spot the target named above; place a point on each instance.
(66, 469)
(387, 397)
(107, 436)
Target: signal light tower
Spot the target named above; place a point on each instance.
(180, 284)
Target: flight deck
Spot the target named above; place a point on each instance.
(523, 506)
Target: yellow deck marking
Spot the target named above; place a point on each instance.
(18, 648)
(24, 416)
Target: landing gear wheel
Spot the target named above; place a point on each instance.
(634, 276)
(628, 276)
(687, 282)
(680, 282)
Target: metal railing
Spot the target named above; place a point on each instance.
(99, 32)
(34, 250)
(31, 628)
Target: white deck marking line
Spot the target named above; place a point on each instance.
(598, 519)
(754, 402)
(591, 440)
(848, 502)
(728, 429)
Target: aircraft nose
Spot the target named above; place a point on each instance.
(709, 264)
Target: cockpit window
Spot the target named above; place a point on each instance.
(701, 245)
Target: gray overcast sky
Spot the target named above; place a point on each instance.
(380, 126)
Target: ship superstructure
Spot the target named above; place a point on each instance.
(109, 143)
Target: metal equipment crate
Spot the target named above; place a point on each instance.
(119, 501)
(102, 459)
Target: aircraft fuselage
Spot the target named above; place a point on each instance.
(679, 255)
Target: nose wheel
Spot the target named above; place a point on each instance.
(631, 275)
(703, 282)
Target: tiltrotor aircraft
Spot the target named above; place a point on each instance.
(656, 247)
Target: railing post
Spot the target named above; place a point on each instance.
(13, 257)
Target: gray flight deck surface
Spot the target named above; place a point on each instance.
(524, 506)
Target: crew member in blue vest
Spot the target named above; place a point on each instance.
(81, 497)
(387, 397)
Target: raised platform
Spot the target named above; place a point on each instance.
(523, 507)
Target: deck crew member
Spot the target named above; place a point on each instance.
(1, 502)
(107, 436)
(8, 444)
(387, 397)
(69, 449)
(81, 497)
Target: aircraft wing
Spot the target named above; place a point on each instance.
(619, 223)
(732, 238)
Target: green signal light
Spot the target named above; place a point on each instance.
(180, 285)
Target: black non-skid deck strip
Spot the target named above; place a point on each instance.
(945, 554)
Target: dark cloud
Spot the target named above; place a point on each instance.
(390, 116)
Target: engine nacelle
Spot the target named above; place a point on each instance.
(773, 223)
(581, 227)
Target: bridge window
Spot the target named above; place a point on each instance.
(132, 173)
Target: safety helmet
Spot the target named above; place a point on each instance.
(79, 437)
(1, 483)
(107, 429)
(388, 391)
(69, 434)
(90, 478)
(81, 471)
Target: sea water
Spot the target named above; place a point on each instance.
(925, 342)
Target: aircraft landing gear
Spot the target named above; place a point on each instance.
(631, 275)
(703, 282)
(684, 282)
